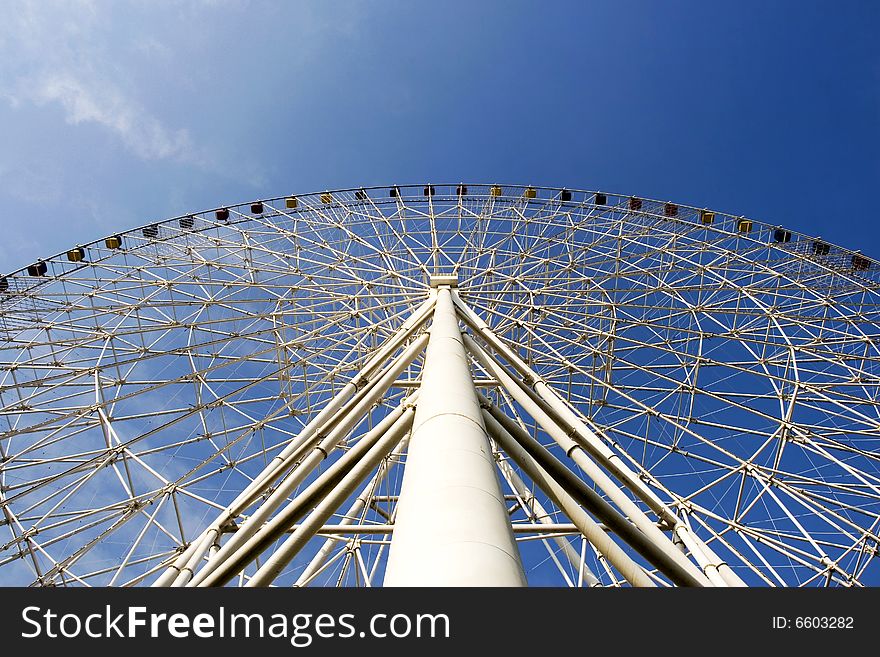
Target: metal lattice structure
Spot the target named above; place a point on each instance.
(492, 385)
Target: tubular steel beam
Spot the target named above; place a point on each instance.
(589, 528)
(452, 526)
(587, 438)
(348, 520)
(582, 459)
(328, 505)
(180, 570)
(317, 450)
(235, 562)
(537, 512)
(595, 504)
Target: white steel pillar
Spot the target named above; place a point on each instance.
(452, 527)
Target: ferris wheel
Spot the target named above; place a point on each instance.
(451, 384)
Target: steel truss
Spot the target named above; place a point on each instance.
(442, 385)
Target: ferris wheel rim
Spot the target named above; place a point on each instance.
(411, 289)
(872, 263)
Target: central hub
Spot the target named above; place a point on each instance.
(436, 280)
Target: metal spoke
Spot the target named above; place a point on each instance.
(666, 395)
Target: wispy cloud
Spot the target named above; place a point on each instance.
(54, 53)
(141, 133)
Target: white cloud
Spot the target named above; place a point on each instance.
(105, 105)
(56, 53)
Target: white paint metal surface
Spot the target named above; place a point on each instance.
(452, 526)
(196, 382)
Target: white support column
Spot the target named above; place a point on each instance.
(330, 502)
(537, 511)
(587, 439)
(589, 528)
(627, 507)
(179, 570)
(317, 454)
(452, 526)
(350, 516)
(229, 564)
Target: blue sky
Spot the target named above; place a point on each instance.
(114, 114)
